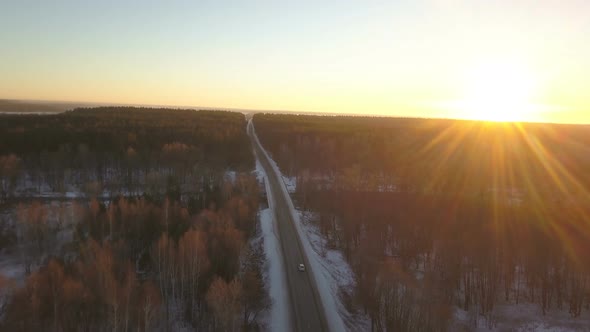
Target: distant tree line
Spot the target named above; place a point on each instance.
(120, 148)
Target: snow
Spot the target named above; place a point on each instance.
(328, 268)
(58, 214)
(521, 317)
(275, 278)
(231, 176)
(31, 113)
(335, 275)
(277, 318)
(177, 321)
(259, 173)
(290, 183)
(12, 268)
(78, 184)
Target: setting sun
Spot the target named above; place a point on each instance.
(498, 91)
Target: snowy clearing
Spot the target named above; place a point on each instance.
(523, 317)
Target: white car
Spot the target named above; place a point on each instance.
(301, 267)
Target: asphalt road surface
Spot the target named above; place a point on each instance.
(307, 313)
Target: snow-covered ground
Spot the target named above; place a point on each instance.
(231, 176)
(290, 183)
(523, 317)
(78, 184)
(11, 267)
(58, 214)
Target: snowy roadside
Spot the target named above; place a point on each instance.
(331, 272)
(335, 278)
(328, 268)
(278, 315)
(290, 183)
(277, 318)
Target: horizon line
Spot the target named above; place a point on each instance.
(85, 104)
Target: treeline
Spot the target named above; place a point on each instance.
(433, 214)
(115, 129)
(431, 154)
(22, 106)
(142, 265)
(119, 148)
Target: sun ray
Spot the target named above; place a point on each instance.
(548, 207)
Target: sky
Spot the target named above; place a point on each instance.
(437, 58)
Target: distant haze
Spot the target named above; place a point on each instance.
(48, 106)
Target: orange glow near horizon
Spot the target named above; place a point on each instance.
(430, 59)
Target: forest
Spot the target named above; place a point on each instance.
(116, 150)
(123, 218)
(440, 214)
(127, 218)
